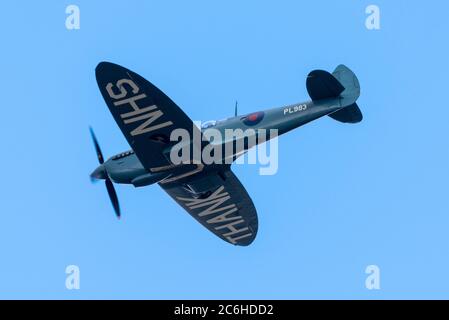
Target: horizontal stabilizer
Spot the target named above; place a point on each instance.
(323, 85)
(350, 114)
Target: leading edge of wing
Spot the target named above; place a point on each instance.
(226, 209)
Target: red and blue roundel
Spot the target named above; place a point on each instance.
(253, 118)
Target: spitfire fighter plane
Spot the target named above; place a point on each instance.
(210, 192)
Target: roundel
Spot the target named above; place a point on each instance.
(253, 118)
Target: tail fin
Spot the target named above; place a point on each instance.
(343, 84)
(349, 81)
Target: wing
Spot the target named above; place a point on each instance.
(145, 115)
(220, 203)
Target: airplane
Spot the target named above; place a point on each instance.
(210, 192)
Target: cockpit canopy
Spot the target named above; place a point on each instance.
(208, 124)
(123, 155)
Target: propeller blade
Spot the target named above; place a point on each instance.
(113, 197)
(97, 146)
(100, 173)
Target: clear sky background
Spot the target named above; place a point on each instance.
(345, 196)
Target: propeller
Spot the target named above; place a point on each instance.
(100, 173)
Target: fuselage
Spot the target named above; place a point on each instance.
(126, 168)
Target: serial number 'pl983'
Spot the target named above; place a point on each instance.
(294, 109)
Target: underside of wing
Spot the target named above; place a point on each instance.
(145, 115)
(220, 203)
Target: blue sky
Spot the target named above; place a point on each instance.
(345, 196)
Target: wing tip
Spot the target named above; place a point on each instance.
(105, 66)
